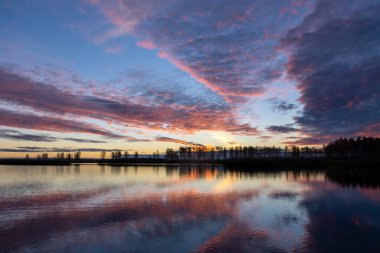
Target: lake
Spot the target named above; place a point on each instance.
(98, 208)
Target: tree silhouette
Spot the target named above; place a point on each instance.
(361, 147)
(171, 154)
(77, 155)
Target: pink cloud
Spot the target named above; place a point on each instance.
(44, 98)
(148, 44)
(216, 50)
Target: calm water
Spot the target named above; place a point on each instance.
(91, 208)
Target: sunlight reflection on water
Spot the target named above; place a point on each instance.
(92, 208)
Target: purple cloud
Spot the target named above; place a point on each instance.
(334, 55)
(18, 136)
(282, 129)
(45, 98)
(32, 149)
(227, 46)
(35, 122)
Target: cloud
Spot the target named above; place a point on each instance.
(282, 129)
(231, 50)
(186, 143)
(18, 136)
(265, 138)
(153, 88)
(310, 140)
(35, 122)
(82, 140)
(334, 55)
(32, 149)
(146, 44)
(281, 105)
(48, 99)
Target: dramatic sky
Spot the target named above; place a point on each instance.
(150, 74)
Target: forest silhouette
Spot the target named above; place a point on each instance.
(343, 151)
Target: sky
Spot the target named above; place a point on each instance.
(150, 74)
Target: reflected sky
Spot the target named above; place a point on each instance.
(92, 208)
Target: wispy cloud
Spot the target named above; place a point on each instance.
(11, 119)
(231, 51)
(43, 98)
(282, 129)
(172, 140)
(279, 105)
(32, 149)
(82, 140)
(18, 136)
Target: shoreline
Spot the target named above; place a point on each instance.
(242, 164)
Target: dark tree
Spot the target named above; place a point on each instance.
(361, 147)
(77, 155)
(171, 154)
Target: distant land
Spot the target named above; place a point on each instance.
(345, 153)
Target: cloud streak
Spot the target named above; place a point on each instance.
(18, 136)
(35, 122)
(282, 129)
(182, 142)
(45, 98)
(32, 149)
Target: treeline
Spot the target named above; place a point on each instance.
(59, 156)
(118, 155)
(240, 152)
(361, 147)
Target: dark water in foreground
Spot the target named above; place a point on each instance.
(91, 208)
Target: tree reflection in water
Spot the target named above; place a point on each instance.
(187, 208)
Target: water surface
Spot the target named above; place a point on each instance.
(92, 208)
